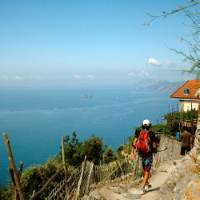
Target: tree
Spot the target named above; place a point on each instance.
(76, 151)
(93, 149)
(192, 10)
(72, 148)
(109, 156)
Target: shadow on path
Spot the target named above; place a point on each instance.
(134, 195)
(153, 189)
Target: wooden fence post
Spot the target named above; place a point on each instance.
(80, 179)
(19, 174)
(63, 155)
(89, 177)
(13, 167)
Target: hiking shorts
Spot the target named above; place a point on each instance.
(147, 161)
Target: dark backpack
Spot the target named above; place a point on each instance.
(143, 143)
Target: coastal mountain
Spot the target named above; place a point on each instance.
(163, 86)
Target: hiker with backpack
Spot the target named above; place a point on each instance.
(145, 145)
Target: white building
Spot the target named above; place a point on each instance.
(188, 95)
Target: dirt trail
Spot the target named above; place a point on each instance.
(156, 181)
(128, 192)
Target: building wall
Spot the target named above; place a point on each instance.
(188, 105)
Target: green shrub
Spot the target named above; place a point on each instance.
(109, 155)
(76, 151)
(34, 178)
(6, 193)
(93, 149)
(174, 121)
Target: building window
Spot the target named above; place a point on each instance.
(186, 91)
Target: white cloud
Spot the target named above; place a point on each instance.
(5, 77)
(139, 74)
(12, 77)
(153, 61)
(77, 76)
(89, 76)
(84, 77)
(145, 74)
(20, 78)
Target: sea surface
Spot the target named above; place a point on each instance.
(35, 120)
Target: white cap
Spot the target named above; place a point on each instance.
(146, 122)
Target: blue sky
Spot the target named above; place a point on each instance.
(89, 42)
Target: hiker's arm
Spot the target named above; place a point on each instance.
(133, 150)
(154, 144)
(132, 155)
(134, 144)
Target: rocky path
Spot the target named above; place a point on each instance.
(156, 181)
(130, 191)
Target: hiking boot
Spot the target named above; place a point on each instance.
(147, 187)
(142, 191)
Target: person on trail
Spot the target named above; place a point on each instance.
(186, 141)
(178, 136)
(145, 145)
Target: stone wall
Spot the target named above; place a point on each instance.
(183, 182)
(168, 150)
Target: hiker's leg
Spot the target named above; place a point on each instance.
(143, 173)
(147, 168)
(149, 178)
(182, 151)
(146, 178)
(188, 149)
(143, 166)
(149, 174)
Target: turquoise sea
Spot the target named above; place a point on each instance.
(35, 120)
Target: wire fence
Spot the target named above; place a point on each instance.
(88, 177)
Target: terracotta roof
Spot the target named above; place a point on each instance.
(188, 90)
